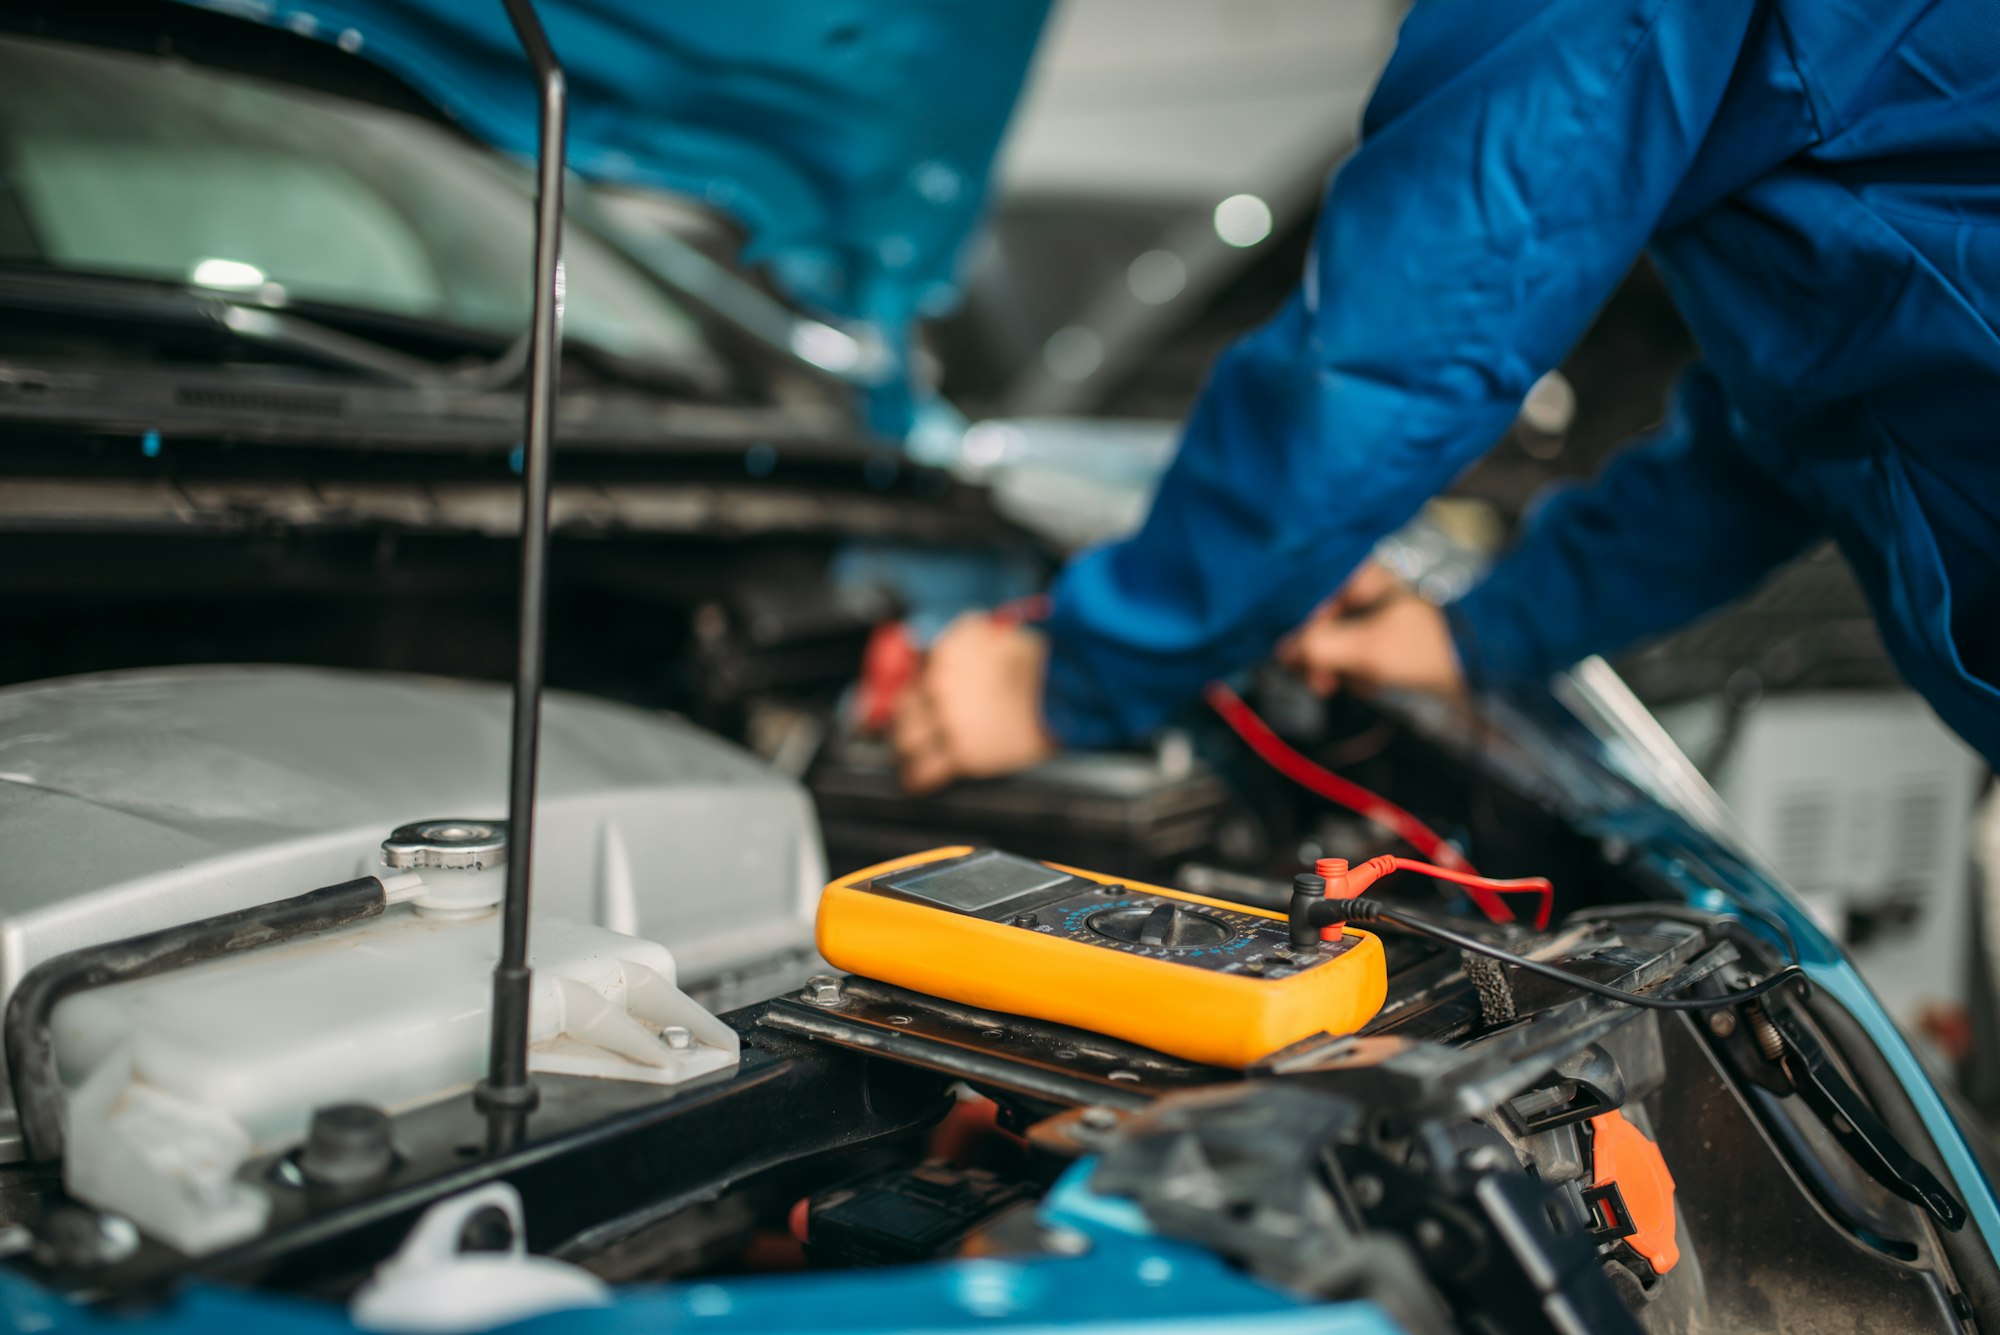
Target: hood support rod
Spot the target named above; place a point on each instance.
(507, 1088)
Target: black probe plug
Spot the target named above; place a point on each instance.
(1320, 897)
(1310, 913)
(1308, 894)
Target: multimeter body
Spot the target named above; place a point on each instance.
(1200, 978)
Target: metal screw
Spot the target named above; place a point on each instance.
(1769, 1041)
(899, 1019)
(75, 1236)
(677, 1038)
(1722, 1023)
(824, 990)
(1430, 1234)
(1098, 1119)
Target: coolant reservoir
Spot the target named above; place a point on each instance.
(176, 1080)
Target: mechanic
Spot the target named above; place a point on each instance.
(1819, 182)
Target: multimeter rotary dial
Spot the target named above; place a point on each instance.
(1167, 926)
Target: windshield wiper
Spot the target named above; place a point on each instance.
(121, 300)
(855, 356)
(294, 333)
(116, 300)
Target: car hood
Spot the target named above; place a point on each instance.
(851, 140)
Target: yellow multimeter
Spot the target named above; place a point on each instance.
(1200, 978)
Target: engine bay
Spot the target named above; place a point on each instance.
(357, 999)
(1491, 1147)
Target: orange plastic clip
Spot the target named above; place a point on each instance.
(1625, 1160)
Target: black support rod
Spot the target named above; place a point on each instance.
(507, 1086)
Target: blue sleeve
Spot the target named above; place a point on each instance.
(1512, 169)
(1672, 527)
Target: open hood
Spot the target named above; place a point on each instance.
(851, 140)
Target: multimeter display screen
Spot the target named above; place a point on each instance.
(977, 883)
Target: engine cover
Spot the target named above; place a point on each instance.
(140, 800)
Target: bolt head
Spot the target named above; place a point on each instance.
(347, 1145)
(1722, 1023)
(824, 990)
(77, 1236)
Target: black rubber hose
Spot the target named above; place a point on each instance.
(31, 1054)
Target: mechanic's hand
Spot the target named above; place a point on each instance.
(976, 709)
(1375, 632)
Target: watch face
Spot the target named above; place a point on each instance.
(976, 883)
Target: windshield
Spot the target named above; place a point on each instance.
(153, 168)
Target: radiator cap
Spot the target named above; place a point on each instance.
(472, 845)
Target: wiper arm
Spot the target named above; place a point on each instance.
(294, 333)
(124, 300)
(1860, 1132)
(854, 356)
(117, 300)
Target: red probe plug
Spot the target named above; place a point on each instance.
(1344, 882)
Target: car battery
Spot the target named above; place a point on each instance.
(1143, 813)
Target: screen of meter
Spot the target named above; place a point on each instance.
(971, 885)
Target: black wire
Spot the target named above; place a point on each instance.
(1366, 910)
(1770, 920)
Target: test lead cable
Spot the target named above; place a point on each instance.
(1312, 914)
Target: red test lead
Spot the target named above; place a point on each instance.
(1345, 882)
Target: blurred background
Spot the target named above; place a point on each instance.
(1157, 196)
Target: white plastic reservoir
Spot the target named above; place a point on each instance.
(176, 1080)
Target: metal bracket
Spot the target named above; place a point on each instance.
(1043, 1061)
(1855, 1125)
